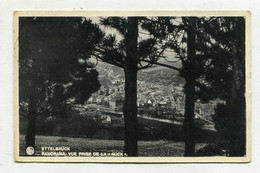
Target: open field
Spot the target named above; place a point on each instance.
(146, 148)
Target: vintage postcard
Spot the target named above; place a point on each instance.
(132, 86)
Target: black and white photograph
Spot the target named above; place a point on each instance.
(155, 87)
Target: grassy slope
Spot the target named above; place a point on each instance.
(146, 148)
(170, 143)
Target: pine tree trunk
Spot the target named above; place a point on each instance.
(188, 123)
(130, 105)
(31, 127)
(130, 114)
(238, 104)
(189, 65)
(238, 119)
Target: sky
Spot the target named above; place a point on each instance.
(170, 55)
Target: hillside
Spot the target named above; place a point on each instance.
(155, 74)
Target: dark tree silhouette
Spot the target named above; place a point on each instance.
(130, 105)
(189, 89)
(205, 47)
(132, 55)
(186, 45)
(226, 74)
(220, 72)
(53, 67)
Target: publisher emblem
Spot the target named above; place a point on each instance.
(29, 151)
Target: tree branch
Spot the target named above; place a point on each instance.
(164, 65)
(107, 60)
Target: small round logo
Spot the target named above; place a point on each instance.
(29, 150)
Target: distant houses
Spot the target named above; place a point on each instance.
(112, 104)
(153, 95)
